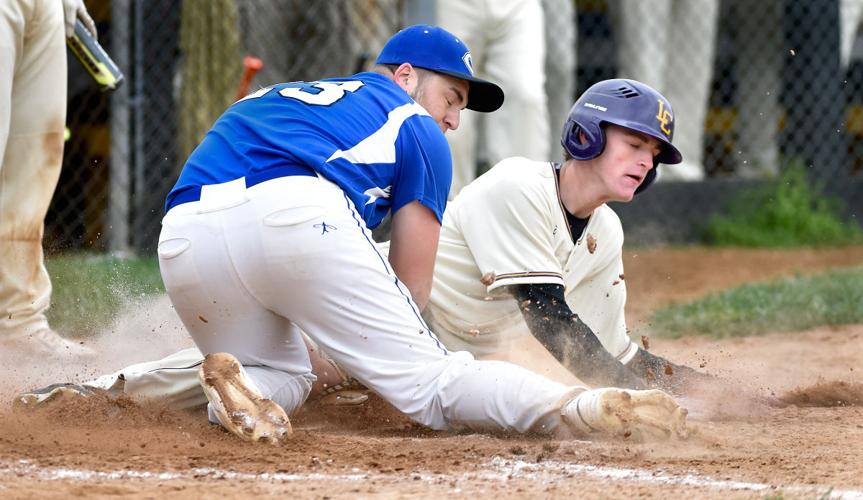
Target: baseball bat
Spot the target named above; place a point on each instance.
(251, 65)
(96, 61)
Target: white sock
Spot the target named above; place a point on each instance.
(584, 412)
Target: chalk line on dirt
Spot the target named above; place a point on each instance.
(520, 468)
(498, 468)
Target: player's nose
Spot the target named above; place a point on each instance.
(452, 118)
(645, 160)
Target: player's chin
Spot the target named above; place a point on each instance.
(625, 191)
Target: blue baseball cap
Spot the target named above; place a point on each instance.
(438, 50)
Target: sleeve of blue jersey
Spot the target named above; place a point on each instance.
(426, 166)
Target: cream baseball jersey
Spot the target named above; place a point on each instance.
(509, 228)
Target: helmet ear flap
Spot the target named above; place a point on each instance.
(587, 150)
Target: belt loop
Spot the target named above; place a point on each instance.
(221, 196)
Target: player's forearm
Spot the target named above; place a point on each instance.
(413, 247)
(577, 348)
(420, 292)
(571, 341)
(415, 273)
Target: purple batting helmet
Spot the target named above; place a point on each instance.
(626, 103)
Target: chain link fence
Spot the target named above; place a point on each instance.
(756, 86)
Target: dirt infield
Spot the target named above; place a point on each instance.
(807, 449)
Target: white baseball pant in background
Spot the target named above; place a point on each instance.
(507, 43)
(657, 48)
(32, 121)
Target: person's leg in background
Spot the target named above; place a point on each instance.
(507, 44)
(641, 33)
(691, 48)
(32, 124)
(560, 61)
(669, 45)
(850, 14)
(517, 60)
(759, 67)
(467, 20)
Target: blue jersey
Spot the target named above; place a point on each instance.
(363, 133)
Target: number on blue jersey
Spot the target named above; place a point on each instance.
(314, 93)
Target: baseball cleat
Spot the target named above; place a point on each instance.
(38, 398)
(239, 406)
(650, 415)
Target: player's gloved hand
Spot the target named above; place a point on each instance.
(660, 373)
(650, 415)
(73, 9)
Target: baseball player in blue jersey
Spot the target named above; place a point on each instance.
(267, 234)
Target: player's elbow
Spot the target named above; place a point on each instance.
(421, 293)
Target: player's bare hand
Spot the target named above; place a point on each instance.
(650, 415)
(74, 9)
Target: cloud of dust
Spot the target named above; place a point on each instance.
(826, 394)
(719, 400)
(146, 329)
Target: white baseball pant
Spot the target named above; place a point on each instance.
(32, 121)
(507, 44)
(657, 50)
(247, 267)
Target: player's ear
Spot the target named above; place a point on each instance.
(582, 137)
(406, 77)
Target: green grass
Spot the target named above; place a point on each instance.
(790, 211)
(789, 304)
(89, 290)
